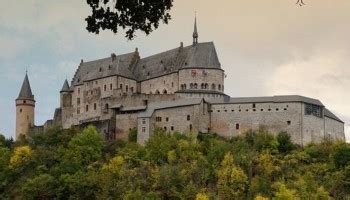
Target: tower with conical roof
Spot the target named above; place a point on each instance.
(25, 109)
(195, 33)
(66, 96)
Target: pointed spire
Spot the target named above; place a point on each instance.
(195, 33)
(65, 87)
(26, 91)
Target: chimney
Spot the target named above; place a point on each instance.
(113, 56)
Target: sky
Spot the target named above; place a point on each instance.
(266, 47)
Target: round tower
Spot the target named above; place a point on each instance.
(25, 107)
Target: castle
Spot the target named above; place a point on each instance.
(179, 90)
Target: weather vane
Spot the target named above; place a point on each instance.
(300, 2)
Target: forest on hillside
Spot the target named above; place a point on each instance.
(80, 164)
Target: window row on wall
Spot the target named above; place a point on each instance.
(204, 86)
(203, 95)
(87, 108)
(247, 110)
(159, 119)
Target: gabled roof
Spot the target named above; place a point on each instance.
(26, 91)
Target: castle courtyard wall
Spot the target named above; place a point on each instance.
(229, 120)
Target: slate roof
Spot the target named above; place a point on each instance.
(202, 55)
(329, 114)
(26, 91)
(272, 99)
(118, 65)
(168, 104)
(65, 87)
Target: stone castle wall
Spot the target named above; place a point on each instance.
(231, 120)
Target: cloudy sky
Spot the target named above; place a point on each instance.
(267, 47)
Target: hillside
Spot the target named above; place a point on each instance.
(73, 164)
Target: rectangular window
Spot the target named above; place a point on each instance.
(143, 121)
(95, 106)
(121, 86)
(127, 88)
(78, 90)
(167, 119)
(289, 122)
(87, 108)
(132, 89)
(111, 86)
(143, 129)
(78, 101)
(78, 111)
(237, 126)
(253, 105)
(188, 117)
(105, 87)
(172, 128)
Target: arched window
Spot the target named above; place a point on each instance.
(195, 86)
(219, 87)
(165, 92)
(206, 86)
(157, 92)
(106, 106)
(105, 87)
(185, 87)
(191, 86)
(213, 87)
(202, 86)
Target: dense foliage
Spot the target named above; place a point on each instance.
(142, 15)
(72, 164)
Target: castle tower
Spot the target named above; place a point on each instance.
(66, 96)
(25, 106)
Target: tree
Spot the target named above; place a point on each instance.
(283, 193)
(232, 181)
(20, 156)
(132, 135)
(82, 150)
(285, 144)
(142, 15)
(40, 187)
(341, 155)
